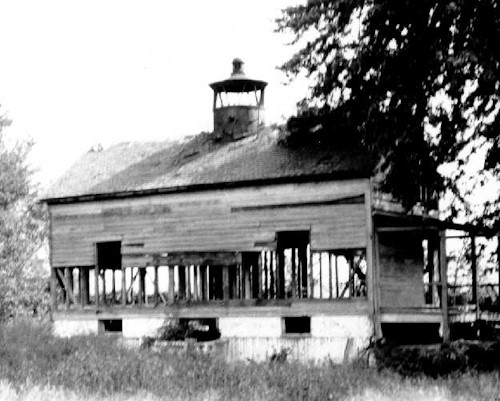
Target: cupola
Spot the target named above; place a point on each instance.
(238, 104)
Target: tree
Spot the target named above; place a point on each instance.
(417, 83)
(22, 230)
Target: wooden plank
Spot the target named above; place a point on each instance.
(294, 273)
(200, 258)
(444, 289)
(142, 285)
(349, 200)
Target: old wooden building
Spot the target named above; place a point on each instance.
(277, 247)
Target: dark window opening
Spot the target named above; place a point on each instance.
(292, 272)
(339, 274)
(411, 333)
(110, 326)
(200, 329)
(109, 255)
(297, 325)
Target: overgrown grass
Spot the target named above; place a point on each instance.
(36, 365)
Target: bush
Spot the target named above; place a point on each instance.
(438, 359)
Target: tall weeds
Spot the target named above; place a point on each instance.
(97, 366)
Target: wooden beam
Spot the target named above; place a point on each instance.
(404, 229)
(444, 288)
(199, 258)
(311, 274)
(69, 293)
(376, 285)
(347, 200)
(84, 280)
(104, 300)
(280, 274)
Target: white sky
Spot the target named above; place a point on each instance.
(77, 73)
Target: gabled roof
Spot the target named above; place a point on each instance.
(128, 168)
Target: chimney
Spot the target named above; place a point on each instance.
(238, 104)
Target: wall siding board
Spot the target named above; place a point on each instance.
(205, 221)
(401, 269)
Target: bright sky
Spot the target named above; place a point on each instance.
(77, 73)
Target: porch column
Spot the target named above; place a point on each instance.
(444, 285)
(124, 287)
(473, 261)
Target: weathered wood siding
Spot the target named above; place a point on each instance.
(401, 269)
(242, 219)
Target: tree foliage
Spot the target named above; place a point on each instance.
(22, 230)
(416, 82)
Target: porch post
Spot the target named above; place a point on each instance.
(473, 260)
(444, 285)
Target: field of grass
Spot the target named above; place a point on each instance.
(35, 365)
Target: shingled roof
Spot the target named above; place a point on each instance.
(201, 161)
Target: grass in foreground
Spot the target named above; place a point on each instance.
(36, 365)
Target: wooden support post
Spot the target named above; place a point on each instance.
(104, 300)
(444, 285)
(266, 282)
(336, 276)
(330, 278)
(294, 275)
(272, 283)
(196, 288)
(85, 273)
(321, 275)
(203, 282)
(376, 284)
(132, 279)
(181, 273)
(113, 287)
(53, 289)
(280, 276)
(124, 286)
(473, 261)
(142, 285)
(171, 284)
(225, 283)
(188, 283)
(67, 287)
(303, 266)
(156, 287)
(96, 285)
(311, 274)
